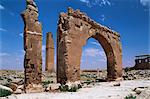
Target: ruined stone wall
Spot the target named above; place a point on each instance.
(32, 46)
(74, 29)
(142, 63)
(49, 53)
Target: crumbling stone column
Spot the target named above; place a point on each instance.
(49, 53)
(32, 47)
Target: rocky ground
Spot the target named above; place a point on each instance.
(136, 83)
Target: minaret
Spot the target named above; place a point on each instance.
(32, 48)
(49, 53)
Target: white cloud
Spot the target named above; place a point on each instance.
(105, 2)
(145, 2)
(4, 54)
(43, 47)
(1, 7)
(21, 34)
(93, 52)
(91, 3)
(12, 60)
(85, 1)
(4, 30)
(93, 58)
(23, 52)
(95, 43)
(102, 18)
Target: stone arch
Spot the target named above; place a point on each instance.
(74, 29)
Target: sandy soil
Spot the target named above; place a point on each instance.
(103, 90)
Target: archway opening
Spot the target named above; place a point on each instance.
(93, 61)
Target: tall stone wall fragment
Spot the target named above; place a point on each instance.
(32, 47)
(49, 53)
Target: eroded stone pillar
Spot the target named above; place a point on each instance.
(32, 47)
(49, 53)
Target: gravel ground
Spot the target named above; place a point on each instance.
(103, 90)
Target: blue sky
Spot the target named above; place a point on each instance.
(128, 17)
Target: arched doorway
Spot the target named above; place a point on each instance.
(74, 29)
(93, 56)
(93, 64)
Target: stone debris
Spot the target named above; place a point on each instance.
(13, 86)
(34, 88)
(104, 90)
(117, 84)
(10, 76)
(19, 90)
(145, 94)
(138, 90)
(73, 84)
(53, 87)
(136, 74)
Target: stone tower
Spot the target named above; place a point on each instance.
(49, 53)
(32, 47)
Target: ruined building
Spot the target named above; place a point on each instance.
(142, 62)
(32, 47)
(74, 29)
(49, 53)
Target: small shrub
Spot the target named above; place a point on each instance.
(128, 69)
(88, 82)
(82, 75)
(64, 88)
(4, 92)
(79, 86)
(73, 89)
(46, 82)
(130, 97)
(9, 80)
(1, 78)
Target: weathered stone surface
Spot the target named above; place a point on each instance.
(49, 53)
(53, 87)
(34, 88)
(116, 84)
(74, 29)
(32, 45)
(136, 74)
(145, 94)
(13, 86)
(19, 90)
